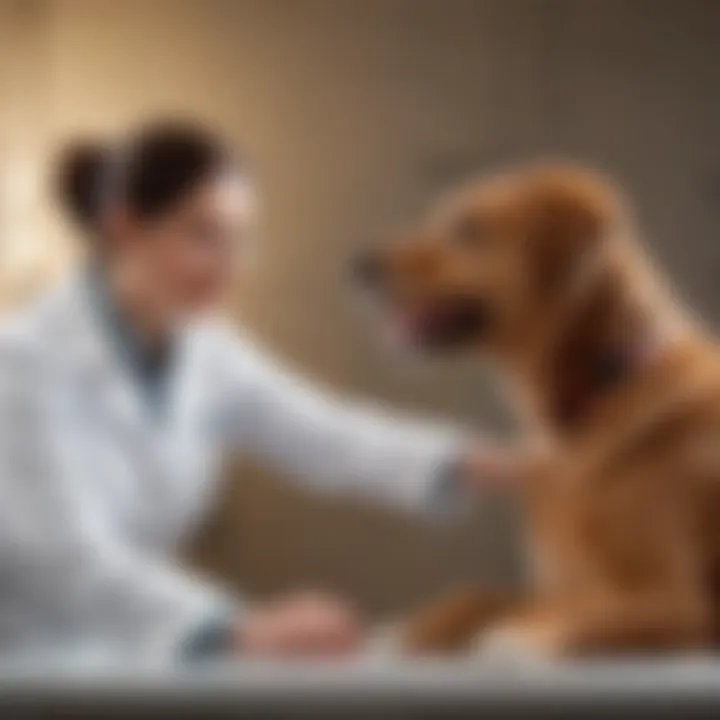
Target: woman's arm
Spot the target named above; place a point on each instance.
(331, 443)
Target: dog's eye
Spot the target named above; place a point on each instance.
(470, 232)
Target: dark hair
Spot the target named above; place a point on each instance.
(159, 164)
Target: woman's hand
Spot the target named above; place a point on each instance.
(487, 466)
(307, 624)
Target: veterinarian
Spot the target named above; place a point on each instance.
(120, 392)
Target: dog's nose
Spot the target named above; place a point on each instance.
(366, 269)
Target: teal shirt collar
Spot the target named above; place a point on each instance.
(151, 367)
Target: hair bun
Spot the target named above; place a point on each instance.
(78, 176)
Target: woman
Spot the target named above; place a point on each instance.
(120, 393)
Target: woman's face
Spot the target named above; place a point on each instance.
(188, 258)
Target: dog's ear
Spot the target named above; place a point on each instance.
(569, 225)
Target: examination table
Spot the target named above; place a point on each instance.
(368, 688)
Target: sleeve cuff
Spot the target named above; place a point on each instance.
(212, 638)
(448, 496)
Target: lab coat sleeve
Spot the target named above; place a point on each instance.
(334, 444)
(68, 568)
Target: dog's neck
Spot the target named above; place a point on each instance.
(610, 339)
(584, 373)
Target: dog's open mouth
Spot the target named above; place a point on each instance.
(441, 324)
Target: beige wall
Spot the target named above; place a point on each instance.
(355, 111)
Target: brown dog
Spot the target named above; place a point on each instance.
(540, 270)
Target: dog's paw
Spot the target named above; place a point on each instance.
(517, 643)
(385, 641)
(502, 644)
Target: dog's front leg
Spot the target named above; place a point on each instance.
(625, 625)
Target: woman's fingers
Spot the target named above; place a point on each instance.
(321, 625)
(313, 625)
(492, 465)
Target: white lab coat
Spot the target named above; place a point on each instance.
(96, 494)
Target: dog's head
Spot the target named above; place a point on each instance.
(494, 260)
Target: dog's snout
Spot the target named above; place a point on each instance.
(366, 269)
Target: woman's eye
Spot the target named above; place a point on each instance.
(470, 232)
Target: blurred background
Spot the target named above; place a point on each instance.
(355, 113)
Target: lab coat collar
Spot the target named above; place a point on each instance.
(153, 369)
(94, 357)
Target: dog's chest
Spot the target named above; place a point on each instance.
(559, 510)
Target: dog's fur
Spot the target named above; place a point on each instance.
(541, 270)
